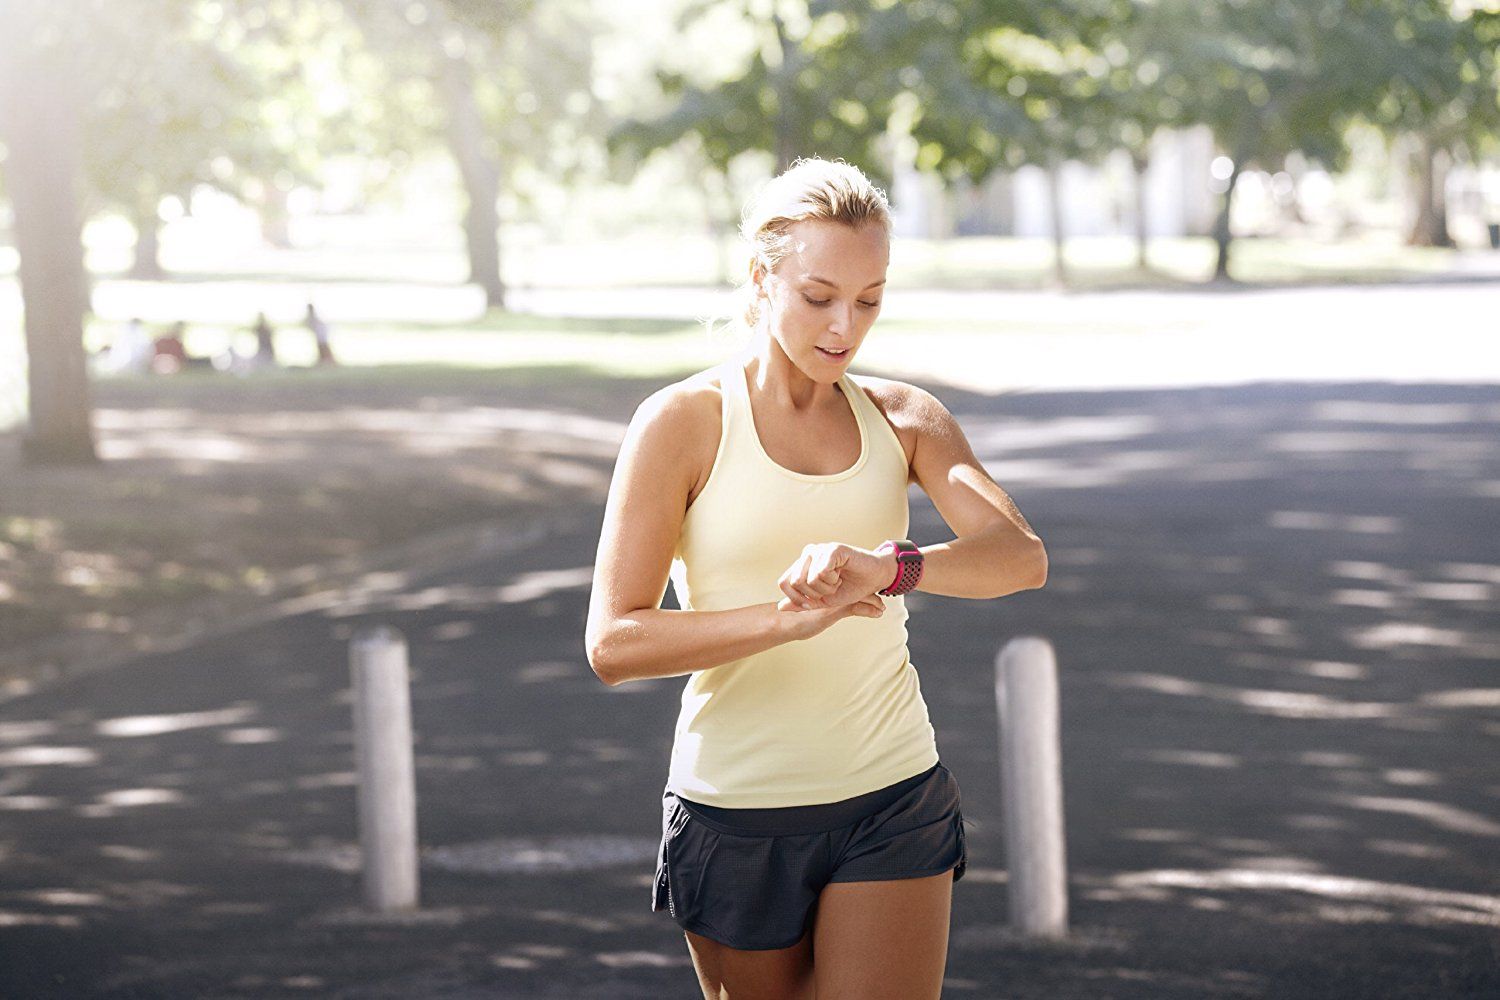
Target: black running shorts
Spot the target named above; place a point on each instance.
(750, 878)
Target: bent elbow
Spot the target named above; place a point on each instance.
(599, 662)
(1041, 573)
(601, 671)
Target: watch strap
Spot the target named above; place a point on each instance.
(909, 565)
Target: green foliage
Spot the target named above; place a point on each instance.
(243, 95)
(812, 79)
(232, 95)
(529, 66)
(246, 94)
(1441, 78)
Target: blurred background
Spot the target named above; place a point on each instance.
(299, 292)
(457, 187)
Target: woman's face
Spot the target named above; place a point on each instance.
(826, 293)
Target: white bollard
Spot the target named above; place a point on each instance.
(1031, 786)
(383, 750)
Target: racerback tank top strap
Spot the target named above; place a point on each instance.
(810, 721)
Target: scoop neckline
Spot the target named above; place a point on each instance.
(847, 384)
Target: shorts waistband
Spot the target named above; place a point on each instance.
(790, 820)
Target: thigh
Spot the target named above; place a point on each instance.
(775, 974)
(884, 940)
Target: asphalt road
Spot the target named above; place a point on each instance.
(1274, 612)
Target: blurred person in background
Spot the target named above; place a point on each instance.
(170, 354)
(319, 328)
(265, 345)
(130, 353)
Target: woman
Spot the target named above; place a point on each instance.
(806, 810)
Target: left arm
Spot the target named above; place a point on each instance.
(996, 553)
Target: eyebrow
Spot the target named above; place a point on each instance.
(825, 281)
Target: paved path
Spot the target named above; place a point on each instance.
(1274, 610)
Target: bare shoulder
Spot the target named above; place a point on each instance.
(692, 408)
(908, 408)
(900, 400)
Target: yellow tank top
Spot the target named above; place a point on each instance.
(813, 720)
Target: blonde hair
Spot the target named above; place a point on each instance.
(811, 189)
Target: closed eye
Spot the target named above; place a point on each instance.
(824, 302)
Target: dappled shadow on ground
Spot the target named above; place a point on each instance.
(1273, 608)
(215, 486)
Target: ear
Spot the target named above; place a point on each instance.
(758, 277)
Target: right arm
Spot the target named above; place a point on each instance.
(629, 636)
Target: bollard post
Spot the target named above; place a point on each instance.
(1031, 786)
(383, 751)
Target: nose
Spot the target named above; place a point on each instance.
(841, 320)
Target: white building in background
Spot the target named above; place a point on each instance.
(1096, 200)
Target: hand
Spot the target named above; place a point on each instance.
(798, 624)
(833, 575)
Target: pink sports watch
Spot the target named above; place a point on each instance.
(908, 566)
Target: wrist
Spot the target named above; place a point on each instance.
(890, 568)
(786, 626)
(906, 561)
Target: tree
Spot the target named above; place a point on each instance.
(510, 80)
(986, 85)
(39, 125)
(180, 98)
(1018, 90)
(1267, 79)
(794, 78)
(1437, 87)
(120, 93)
(1117, 105)
(254, 97)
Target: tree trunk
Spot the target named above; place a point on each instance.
(1430, 228)
(481, 176)
(275, 218)
(1296, 169)
(718, 209)
(42, 170)
(1055, 212)
(1442, 161)
(1138, 165)
(1223, 233)
(147, 263)
(786, 84)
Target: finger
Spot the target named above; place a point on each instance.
(793, 594)
(822, 575)
(819, 577)
(797, 571)
(824, 581)
(799, 596)
(813, 588)
(814, 596)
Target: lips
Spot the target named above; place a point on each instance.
(832, 356)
